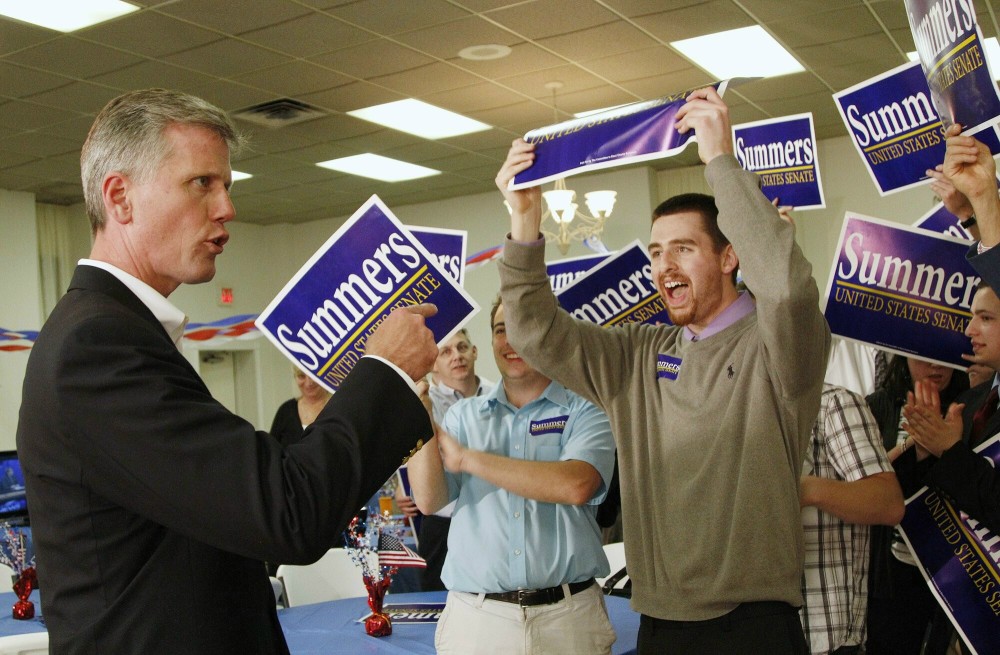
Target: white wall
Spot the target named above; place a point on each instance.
(22, 304)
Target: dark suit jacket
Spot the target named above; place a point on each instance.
(966, 477)
(153, 506)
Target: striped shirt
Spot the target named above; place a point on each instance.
(844, 445)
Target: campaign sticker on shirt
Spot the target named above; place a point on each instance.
(554, 425)
(668, 367)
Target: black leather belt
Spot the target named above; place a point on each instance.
(532, 597)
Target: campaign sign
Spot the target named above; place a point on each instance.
(901, 289)
(447, 247)
(782, 151)
(637, 132)
(323, 317)
(894, 127)
(563, 271)
(939, 219)
(950, 45)
(959, 557)
(617, 291)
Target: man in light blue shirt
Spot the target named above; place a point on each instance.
(528, 464)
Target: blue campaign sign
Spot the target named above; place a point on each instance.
(447, 247)
(617, 291)
(894, 127)
(950, 45)
(958, 557)
(323, 317)
(901, 289)
(563, 271)
(782, 151)
(633, 133)
(939, 219)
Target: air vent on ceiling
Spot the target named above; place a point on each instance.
(279, 113)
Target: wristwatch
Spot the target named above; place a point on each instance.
(969, 222)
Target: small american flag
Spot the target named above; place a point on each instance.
(393, 552)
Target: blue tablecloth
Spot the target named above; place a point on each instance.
(332, 628)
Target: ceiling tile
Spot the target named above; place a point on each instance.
(373, 59)
(534, 20)
(472, 98)
(613, 38)
(132, 32)
(352, 96)
(226, 58)
(524, 57)
(439, 76)
(294, 78)
(633, 8)
(20, 82)
(231, 96)
(695, 20)
(771, 10)
(661, 85)
(637, 64)
(571, 77)
(392, 17)
(64, 168)
(445, 40)
(826, 27)
(308, 35)
(15, 35)
(70, 56)
(82, 96)
(29, 116)
(222, 15)
(153, 74)
(9, 157)
(784, 86)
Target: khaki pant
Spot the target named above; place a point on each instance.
(472, 625)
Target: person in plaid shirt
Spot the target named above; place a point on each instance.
(847, 484)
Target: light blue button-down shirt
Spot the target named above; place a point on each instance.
(500, 541)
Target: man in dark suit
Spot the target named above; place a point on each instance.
(152, 505)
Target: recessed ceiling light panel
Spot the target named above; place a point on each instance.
(378, 167)
(65, 15)
(760, 55)
(420, 119)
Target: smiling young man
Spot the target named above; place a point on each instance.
(711, 415)
(153, 506)
(526, 464)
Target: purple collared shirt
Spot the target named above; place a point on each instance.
(735, 311)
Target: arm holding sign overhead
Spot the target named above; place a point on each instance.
(970, 167)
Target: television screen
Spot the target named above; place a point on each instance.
(13, 502)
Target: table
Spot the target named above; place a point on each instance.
(332, 628)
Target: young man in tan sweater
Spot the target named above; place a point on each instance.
(711, 415)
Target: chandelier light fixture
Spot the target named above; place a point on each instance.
(569, 222)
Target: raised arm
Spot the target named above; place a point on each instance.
(969, 165)
(771, 262)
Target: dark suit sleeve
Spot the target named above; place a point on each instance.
(971, 482)
(986, 264)
(149, 437)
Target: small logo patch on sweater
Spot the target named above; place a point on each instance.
(554, 425)
(668, 367)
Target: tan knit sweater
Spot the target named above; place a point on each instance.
(710, 462)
